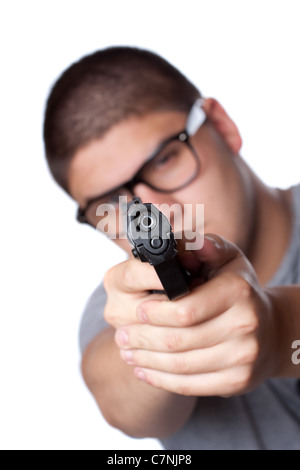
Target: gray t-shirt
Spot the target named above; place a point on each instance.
(267, 418)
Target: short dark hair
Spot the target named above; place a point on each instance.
(102, 89)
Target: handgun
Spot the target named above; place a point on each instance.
(150, 234)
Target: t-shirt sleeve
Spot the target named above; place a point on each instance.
(92, 321)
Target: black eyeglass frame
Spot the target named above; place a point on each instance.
(181, 137)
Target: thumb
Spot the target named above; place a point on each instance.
(215, 253)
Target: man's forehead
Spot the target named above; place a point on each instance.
(106, 162)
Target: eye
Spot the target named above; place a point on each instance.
(165, 158)
(113, 199)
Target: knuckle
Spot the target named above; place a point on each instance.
(174, 341)
(111, 319)
(138, 358)
(183, 389)
(253, 351)
(179, 364)
(248, 354)
(113, 316)
(253, 323)
(248, 322)
(141, 337)
(127, 275)
(185, 315)
(240, 380)
(239, 285)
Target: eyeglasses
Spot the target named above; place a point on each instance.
(174, 165)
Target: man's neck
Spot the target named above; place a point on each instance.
(272, 229)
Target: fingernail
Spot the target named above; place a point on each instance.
(213, 241)
(127, 356)
(142, 315)
(140, 374)
(122, 338)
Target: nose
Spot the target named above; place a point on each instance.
(165, 202)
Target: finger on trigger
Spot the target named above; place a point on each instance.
(132, 276)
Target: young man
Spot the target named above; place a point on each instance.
(213, 369)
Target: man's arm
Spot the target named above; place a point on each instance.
(134, 407)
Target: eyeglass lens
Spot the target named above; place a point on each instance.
(169, 170)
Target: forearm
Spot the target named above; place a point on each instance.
(286, 307)
(132, 406)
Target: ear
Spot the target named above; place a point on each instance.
(217, 115)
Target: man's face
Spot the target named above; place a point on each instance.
(221, 184)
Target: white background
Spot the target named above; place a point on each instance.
(244, 53)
